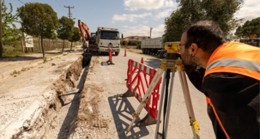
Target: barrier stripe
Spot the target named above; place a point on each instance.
(139, 77)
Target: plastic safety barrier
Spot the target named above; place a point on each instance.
(139, 77)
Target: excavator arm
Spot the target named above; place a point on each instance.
(84, 29)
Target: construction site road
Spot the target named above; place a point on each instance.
(61, 99)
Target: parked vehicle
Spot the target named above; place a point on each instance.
(106, 38)
(153, 46)
(101, 40)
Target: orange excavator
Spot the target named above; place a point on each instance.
(84, 29)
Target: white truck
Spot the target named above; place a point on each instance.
(153, 46)
(105, 38)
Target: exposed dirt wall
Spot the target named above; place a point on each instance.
(36, 120)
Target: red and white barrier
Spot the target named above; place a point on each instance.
(139, 77)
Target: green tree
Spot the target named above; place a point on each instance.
(190, 11)
(239, 31)
(10, 34)
(65, 29)
(174, 26)
(75, 36)
(38, 20)
(222, 12)
(250, 28)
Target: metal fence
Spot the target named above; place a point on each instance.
(52, 44)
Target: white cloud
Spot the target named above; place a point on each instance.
(130, 17)
(140, 30)
(163, 14)
(158, 31)
(143, 30)
(170, 3)
(249, 10)
(149, 4)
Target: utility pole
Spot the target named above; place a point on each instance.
(69, 7)
(1, 30)
(151, 32)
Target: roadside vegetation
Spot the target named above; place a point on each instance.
(39, 21)
(221, 11)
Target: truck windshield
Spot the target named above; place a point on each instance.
(111, 35)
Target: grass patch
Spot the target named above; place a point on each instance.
(10, 51)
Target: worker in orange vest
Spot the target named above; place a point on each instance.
(228, 73)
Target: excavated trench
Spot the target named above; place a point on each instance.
(68, 109)
(69, 88)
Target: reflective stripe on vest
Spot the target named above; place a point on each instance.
(234, 65)
(233, 57)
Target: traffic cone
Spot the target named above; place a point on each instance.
(142, 60)
(110, 53)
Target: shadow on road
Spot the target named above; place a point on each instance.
(19, 58)
(34, 56)
(122, 110)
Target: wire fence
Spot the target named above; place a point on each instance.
(19, 47)
(52, 44)
(49, 44)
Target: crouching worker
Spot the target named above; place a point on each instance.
(229, 76)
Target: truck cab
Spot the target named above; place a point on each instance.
(107, 38)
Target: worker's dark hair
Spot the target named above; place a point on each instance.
(206, 34)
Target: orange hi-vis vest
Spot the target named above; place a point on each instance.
(233, 57)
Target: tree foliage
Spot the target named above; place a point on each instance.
(65, 28)
(174, 26)
(190, 11)
(38, 19)
(10, 33)
(75, 35)
(222, 12)
(250, 28)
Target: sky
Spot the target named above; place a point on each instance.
(131, 17)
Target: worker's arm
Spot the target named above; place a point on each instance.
(195, 75)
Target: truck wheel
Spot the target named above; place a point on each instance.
(116, 53)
